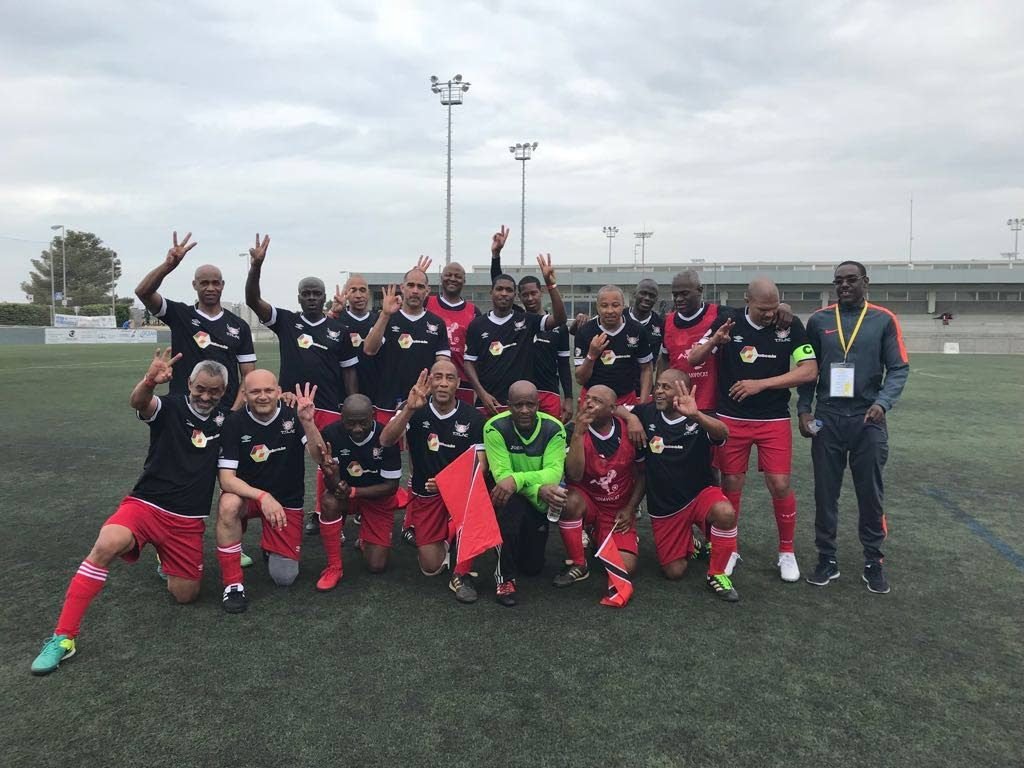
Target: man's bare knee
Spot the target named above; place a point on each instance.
(113, 541)
(184, 591)
(675, 570)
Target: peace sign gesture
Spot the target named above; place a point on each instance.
(178, 250)
(544, 262)
(259, 253)
(304, 399)
(392, 301)
(160, 369)
(419, 393)
(685, 400)
(498, 240)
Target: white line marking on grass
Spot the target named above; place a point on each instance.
(919, 372)
(110, 363)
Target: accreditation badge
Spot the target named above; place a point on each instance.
(841, 380)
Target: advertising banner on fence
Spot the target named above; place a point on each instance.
(99, 336)
(81, 321)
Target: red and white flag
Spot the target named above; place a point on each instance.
(620, 588)
(461, 485)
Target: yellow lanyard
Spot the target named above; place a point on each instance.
(842, 337)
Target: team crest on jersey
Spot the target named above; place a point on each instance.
(433, 442)
(691, 428)
(356, 339)
(461, 430)
(259, 453)
(655, 331)
(632, 341)
(656, 444)
(287, 426)
(782, 334)
(199, 439)
(305, 341)
(608, 357)
(233, 331)
(333, 335)
(355, 469)
(432, 328)
(579, 352)
(519, 324)
(219, 419)
(378, 453)
(405, 341)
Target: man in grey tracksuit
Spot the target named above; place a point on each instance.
(862, 369)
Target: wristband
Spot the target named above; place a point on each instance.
(259, 499)
(590, 358)
(352, 492)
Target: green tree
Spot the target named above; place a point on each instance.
(88, 269)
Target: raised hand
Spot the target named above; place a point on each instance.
(160, 369)
(423, 263)
(178, 250)
(597, 345)
(685, 400)
(259, 252)
(304, 406)
(584, 418)
(419, 393)
(544, 262)
(724, 334)
(498, 240)
(392, 302)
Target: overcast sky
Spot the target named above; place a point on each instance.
(732, 130)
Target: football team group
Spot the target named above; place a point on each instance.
(667, 413)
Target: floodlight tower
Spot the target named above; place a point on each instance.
(523, 152)
(451, 95)
(610, 232)
(1015, 225)
(642, 237)
(64, 260)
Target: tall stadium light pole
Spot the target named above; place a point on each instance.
(53, 292)
(642, 237)
(451, 95)
(610, 232)
(64, 259)
(1015, 225)
(523, 152)
(113, 293)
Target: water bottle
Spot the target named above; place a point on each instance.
(555, 513)
(815, 426)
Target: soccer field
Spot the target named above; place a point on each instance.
(389, 671)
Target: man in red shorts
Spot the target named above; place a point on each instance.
(438, 428)
(754, 378)
(262, 475)
(169, 503)
(680, 488)
(360, 477)
(605, 474)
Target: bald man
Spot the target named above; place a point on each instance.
(457, 314)
(758, 363)
(614, 350)
(262, 475)
(200, 331)
(352, 306)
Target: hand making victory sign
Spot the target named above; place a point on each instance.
(498, 240)
(160, 369)
(259, 252)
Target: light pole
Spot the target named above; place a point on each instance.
(523, 152)
(1015, 225)
(642, 237)
(53, 292)
(113, 293)
(610, 232)
(451, 95)
(64, 258)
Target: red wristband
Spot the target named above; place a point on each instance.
(259, 499)
(351, 491)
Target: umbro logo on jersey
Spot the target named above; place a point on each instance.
(344, 452)
(196, 322)
(425, 424)
(246, 438)
(299, 326)
(233, 331)
(395, 329)
(203, 340)
(737, 338)
(485, 334)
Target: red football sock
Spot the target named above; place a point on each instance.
(785, 519)
(723, 544)
(572, 537)
(330, 535)
(84, 586)
(734, 498)
(230, 559)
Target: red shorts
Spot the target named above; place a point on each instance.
(286, 542)
(774, 441)
(378, 516)
(601, 518)
(429, 516)
(629, 398)
(550, 403)
(466, 395)
(673, 536)
(178, 540)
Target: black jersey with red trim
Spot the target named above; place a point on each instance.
(410, 344)
(225, 337)
(366, 369)
(366, 463)
(436, 440)
(548, 347)
(619, 365)
(315, 353)
(677, 460)
(654, 324)
(502, 349)
(181, 465)
(269, 455)
(757, 352)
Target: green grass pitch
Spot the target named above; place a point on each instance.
(389, 671)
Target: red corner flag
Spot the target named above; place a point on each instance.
(465, 494)
(620, 588)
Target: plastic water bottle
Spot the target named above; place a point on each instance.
(555, 513)
(815, 426)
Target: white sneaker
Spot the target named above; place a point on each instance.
(734, 560)
(788, 569)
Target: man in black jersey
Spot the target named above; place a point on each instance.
(500, 345)
(200, 331)
(552, 358)
(352, 306)
(645, 297)
(262, 475)
(406, 338)
(438, 428)
(314, 348)
(169, 503)
(614, 350)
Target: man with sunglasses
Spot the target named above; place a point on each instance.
(863, 367)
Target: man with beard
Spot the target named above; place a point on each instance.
(169, 503)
